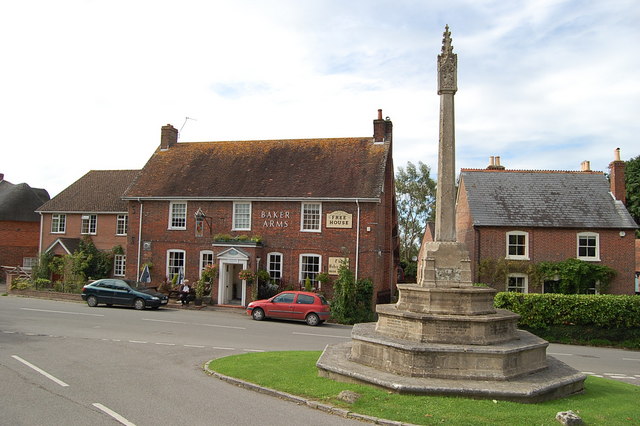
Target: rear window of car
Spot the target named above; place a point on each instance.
(305, 299)
(323, 300)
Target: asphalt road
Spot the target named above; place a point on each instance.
(66, 363)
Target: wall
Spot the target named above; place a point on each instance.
(18, 240)
(546, 244)
(105, 238)
(281, 234)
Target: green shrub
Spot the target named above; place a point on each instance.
(539, 311)
(21, 284)
(351, 302)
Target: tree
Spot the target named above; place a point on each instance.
(415, 195)
(632, 188)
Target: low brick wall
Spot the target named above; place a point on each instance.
(55, 295)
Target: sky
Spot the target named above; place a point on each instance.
(87, 85)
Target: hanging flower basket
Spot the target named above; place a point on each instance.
(247, 275)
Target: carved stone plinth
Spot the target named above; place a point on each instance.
(524, 355)
(454, 301)
(444, 264)
(498, 327)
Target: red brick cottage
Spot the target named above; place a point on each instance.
(19, 223)
(536, 215)
(292, 207)
(90, 207)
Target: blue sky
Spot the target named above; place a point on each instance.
(87, 85)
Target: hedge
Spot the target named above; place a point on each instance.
(540, 311)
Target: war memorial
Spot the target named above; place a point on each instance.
(444, 336)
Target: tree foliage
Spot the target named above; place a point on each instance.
(415, 195)
(632, 188)
(352, 299)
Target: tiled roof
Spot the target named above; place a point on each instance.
(97, 191)
(543, 199)
(296, 168)
(19, 202)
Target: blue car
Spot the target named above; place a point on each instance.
(111, 291)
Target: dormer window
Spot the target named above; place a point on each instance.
(518, 245)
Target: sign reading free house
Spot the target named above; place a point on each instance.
(334, 264)
(339, 219)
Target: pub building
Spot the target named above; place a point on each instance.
(295, 208)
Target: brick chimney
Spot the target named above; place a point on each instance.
(1, 177)
(585, 166)
(616, 177)
(379, 128)
(168, 137)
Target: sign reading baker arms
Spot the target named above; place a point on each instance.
(339, 219)
(275, 218)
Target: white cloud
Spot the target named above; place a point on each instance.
(88, 84)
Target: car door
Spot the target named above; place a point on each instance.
(302, 306)
(281, 306)
(122, 294)
(103, 290)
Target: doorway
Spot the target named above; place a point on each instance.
(231, 289)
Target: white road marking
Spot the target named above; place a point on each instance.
(62, 312)
(193, 346)
(221, 326)
(113, 414)
(560, 354)
(9, 332)
(254, 350)
(39, 370)
(322, 335)
(157, 320)
(137, 341)
(165, 344)
(224, 349)
(630, 359)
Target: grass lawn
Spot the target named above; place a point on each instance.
(604, 402)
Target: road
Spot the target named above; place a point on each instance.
(63, 362)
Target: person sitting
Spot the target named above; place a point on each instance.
(185, 290)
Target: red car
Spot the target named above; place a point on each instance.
(298, 305)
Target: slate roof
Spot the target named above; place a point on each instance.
(98, 191)
(543, 199)
(19, 202)
(338, 168)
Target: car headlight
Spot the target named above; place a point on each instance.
(155, 298)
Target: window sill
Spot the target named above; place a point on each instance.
(589, 259)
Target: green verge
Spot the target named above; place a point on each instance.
(604, 402)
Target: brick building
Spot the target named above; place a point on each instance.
(292, 207)
(90, 207)
(534, 215)
(19, 223)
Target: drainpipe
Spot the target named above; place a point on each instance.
(139, 239)
(357, 240)
(40, 243)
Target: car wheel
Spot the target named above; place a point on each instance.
(257, 314)
(92, 301)
(312, 319)
(138, 304)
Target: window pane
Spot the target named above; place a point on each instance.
(176, 263)
(119, 265)
(274, 267)
(587, 246)
(179, 215)
(122, 224)
(311, 217)
(310, 267)
(242, 216)
(516, 284)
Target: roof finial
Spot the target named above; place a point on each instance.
(447, 48)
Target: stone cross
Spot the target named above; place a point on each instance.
(445, 230)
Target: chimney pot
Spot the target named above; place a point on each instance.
(379, 114)
(492, 161)
(585, 166)
(497, 160)
(616, 177)
(616, 154)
